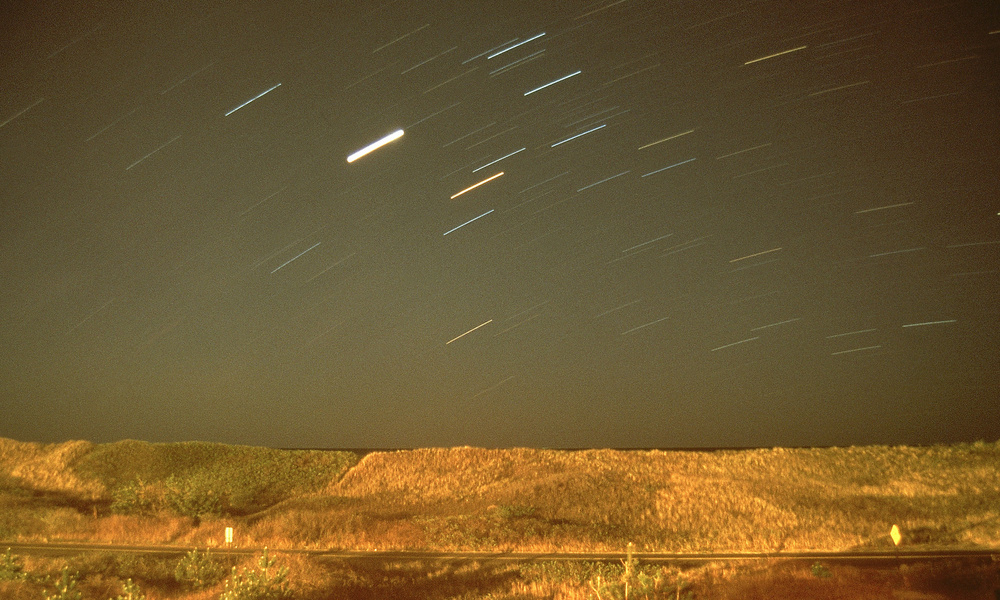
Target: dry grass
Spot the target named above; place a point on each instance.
(754, 500)
(942, 581)
(101, 574)
(513, 499)
(517, 499)
(46, 467)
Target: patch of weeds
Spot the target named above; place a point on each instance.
(258, 584)
(104, 563)
(12, 567)
(514, 511)
(130, 591)
(147, 568)
(197, 571)
(65, 587)
(818, 569)
(577, 573)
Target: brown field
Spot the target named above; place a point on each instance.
(511, 499)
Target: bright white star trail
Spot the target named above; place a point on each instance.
(395, 135)
(508, 49)
(542, 87)
(274, 87)
(469, 221)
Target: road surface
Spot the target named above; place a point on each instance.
(867, 556)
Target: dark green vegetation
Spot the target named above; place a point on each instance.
(96, 575)
(135, 491)
(197, 478)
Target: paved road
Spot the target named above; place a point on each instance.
(868, 556)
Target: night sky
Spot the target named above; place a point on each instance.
(718, 223)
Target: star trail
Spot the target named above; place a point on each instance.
(717, 224)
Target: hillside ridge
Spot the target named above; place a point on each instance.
(467, 498)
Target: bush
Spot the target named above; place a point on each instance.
(130, 591)
(65, 587)
(197, 571)
(11, 567)
(818, 569)
(256, 584)
(191, 496)
(135, 498)
(637, 581)
(161, 570)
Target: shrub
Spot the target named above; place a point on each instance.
(636, 581)
(134, 498)
(197, 571)
(65, 587)
(191, 496)
(818, 569)
(142, 566)
(130, 591)
(11, 567)
(256, 584)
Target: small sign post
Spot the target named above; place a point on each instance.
(896, 538)
(229, 537)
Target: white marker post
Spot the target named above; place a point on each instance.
(229, 537)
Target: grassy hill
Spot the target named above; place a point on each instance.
(507, 499)
(137, 492)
